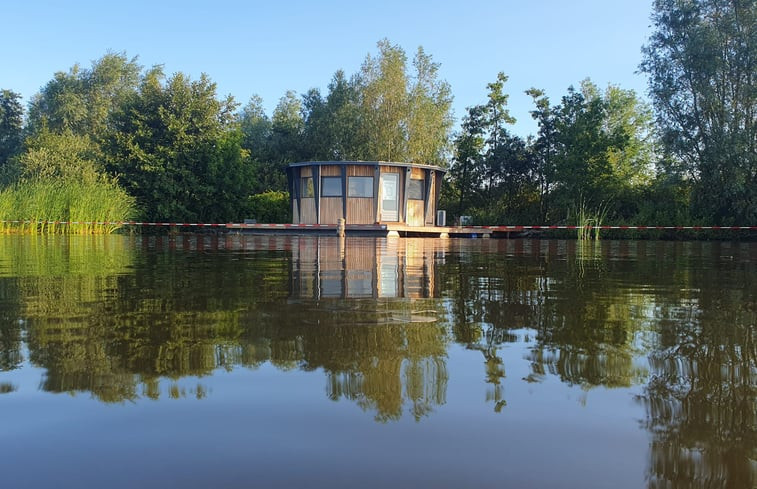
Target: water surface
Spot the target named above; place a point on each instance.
(243, 361)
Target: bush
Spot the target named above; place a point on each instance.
(271, 207)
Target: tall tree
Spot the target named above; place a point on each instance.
(343, 120)
(466, 171)
(497, 116)
(544, 148)
(176, 148)
(81, 100)
(256, 129)
(430, 117)
(11, 130)
(702, 65)
(383, 83)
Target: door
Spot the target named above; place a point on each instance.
(390, 198)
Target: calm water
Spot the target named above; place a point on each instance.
(305, 362)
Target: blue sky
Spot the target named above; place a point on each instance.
(266, 48)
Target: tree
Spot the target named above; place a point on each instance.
(492, 168)
(543, 148)
(496, 116)
(466, 169)
(595, 147)
(402, 116)
(11, 131)
(382, 85)
(81, 100)
(256, 129)
(343, 119)
(176, 149)
(702, 65)
(430, 118)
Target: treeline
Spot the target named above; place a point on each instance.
(169, 149)
(160, 147)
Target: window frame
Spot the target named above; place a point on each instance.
(370, 188)
(419, 188)
(307, 189)
(324, 193)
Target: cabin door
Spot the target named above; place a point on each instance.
(390, 198)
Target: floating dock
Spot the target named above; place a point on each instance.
(378, 230)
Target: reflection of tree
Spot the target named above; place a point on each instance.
(701, 400)
(374, 353)
(96, 327)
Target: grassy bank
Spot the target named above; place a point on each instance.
(39, 205)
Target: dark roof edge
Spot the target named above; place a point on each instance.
(366, 163)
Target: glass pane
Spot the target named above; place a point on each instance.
(360, 186)
(306, 187)
(332, 186)
(415, 190)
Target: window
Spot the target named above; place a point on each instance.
(360, 187)
(415, 189)
(331, 186)
(306, 187)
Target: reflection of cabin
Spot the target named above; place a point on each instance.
(364, 192)
(325, 268)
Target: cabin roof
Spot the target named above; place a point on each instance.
(366, 163)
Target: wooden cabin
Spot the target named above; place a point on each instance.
(364, 192)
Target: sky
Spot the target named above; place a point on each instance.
(266, 48)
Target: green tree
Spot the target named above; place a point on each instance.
(63, 156)
(285, 144)
(176, 148)
(256, 129)
(496, 117)
(430, 117)
(702, 62)
(343, 119)
(595, 147)
(492, 168)
(81, 100)
(11, 132)
(383, 88)
(466, 169)
(544, 149)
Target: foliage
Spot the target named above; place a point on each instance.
(175, 148)
(402, 116)
(701, 60)
(60, 181)
(270, 207)
(11, 131)
(81, 100)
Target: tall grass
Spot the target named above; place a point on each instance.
(589, 221)
(41, 206)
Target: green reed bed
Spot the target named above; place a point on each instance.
(40, 207)
(589, 220)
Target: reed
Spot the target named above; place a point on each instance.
(589, 221)
(41, 206)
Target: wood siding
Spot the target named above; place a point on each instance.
(308, 211)
(415, 210)
(361, 211)
(331, 210)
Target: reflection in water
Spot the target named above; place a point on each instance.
(125, 318)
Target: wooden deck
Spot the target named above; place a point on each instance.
(379, 230)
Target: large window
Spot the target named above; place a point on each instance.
(415, 189)
(360, 187)
(331, 186)
(306, 187)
